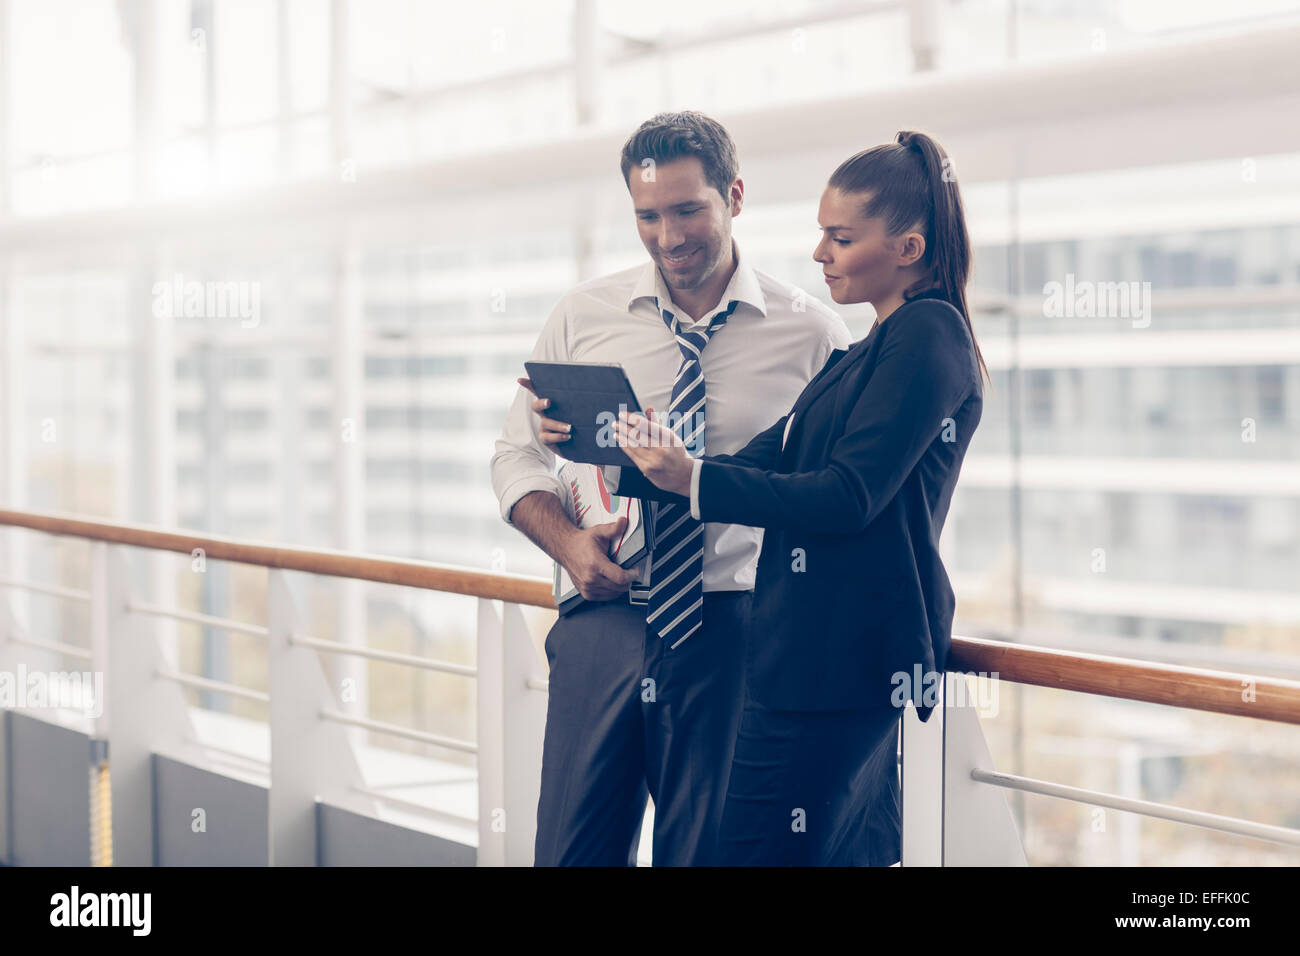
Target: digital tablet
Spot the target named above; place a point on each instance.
(588, 396)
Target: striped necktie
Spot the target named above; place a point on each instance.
(676, 597)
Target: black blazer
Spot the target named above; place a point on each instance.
(851, 597)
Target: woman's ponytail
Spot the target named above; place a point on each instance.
(910, 183)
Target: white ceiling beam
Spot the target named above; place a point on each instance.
(1212, 99)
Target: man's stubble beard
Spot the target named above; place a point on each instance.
(707, 274)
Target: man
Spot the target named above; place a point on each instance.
(646, 687)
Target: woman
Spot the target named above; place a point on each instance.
(852, 610)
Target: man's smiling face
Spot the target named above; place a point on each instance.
(684, 223)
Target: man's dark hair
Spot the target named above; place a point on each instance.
(668, 136)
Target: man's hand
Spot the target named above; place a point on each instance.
(551, 431)
(585, 555)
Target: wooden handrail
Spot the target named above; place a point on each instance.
(515, 588)
(1220, 692)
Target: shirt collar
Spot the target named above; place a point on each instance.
(743, 287)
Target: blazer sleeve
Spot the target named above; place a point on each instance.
(763, 451)
(922, 376)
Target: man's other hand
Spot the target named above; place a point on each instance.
(585, 556)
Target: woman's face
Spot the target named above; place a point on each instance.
(860, 262)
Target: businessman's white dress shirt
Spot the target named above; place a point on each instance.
(755, 366)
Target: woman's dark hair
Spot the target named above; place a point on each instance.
(910, 183)
(668, 136)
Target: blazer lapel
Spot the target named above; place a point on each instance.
(832, 372)
(839, 362)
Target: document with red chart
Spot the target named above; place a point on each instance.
(589, 503)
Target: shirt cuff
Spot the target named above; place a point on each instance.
(516, 490)
(696, 465)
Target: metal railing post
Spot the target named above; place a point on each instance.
(511, 722)
(8, 658)
(311, 758)
(99, 617)
(978, 828)
(922, 787)
(143, 712)
(492, 817)
(525, 723)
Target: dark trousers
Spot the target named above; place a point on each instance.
(626, 716)
(814, 789)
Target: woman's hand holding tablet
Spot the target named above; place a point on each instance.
(656, 450)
